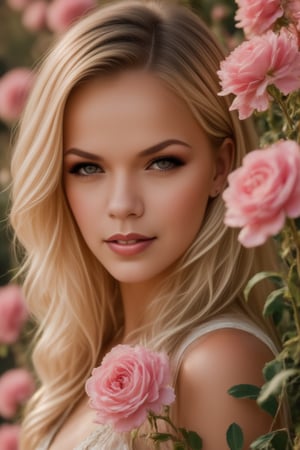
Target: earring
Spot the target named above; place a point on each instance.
(216, 193)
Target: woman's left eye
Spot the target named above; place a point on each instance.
(165, 163)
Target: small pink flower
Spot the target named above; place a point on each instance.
(62, 13)
(9, 437)
(16, 386)
(13, 313)
(269, 59)
(219, 12)
(130, 382)
(34, 16)
(263, 192)
(257, 16)
(14, 89)
(18, 5)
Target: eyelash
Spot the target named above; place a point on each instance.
(175, 162)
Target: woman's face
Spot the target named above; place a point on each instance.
(138, 172)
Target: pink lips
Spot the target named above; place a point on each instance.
(129, 244)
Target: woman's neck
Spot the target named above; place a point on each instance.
(136, 298)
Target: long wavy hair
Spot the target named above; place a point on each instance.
(74, 300)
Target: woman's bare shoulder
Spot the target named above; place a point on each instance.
(211, 365)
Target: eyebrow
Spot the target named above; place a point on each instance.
(148, 151)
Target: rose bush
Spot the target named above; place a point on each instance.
(13, 313)
(263, 192)
(16, 386)
(268, 60)
(14, 89)
(130, 382)
(62, 13)
(257, 16)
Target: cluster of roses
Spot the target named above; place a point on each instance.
(264, 68)
(36, 15)
(16, 385)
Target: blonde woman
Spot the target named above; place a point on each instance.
(121, 159)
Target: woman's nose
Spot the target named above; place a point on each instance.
(124, 198)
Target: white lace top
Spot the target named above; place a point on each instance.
(99, 439)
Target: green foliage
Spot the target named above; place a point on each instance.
(235, 437)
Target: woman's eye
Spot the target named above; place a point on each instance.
(85, 169)
(165, 163)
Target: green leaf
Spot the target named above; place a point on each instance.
(262, 441)
(274, 302)
(192, 438)
(275, 277)
(270, 405)
(244, 391)
(274, 386)
(235, 437)
(293, 283)
(271, 369)
(161, 437)
(278, 439)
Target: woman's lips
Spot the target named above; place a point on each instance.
(129, 244)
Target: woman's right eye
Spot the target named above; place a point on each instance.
(85, 169)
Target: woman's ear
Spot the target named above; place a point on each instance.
(223, 166)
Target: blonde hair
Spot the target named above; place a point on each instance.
(74, 300)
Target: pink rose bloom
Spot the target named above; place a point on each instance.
(13, 313)
(270, 59)
(18, 5)
(263, 192)
(62, 13)
(16, 386)
(257, 16)
(34, 16)
(9, 437)
(14, 89)
(130, 382)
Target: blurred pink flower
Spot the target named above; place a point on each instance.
(130, 382)
(62, 13)
(219, 12)
(16, 386)
(257, 16)
(263, 192)
(9, 437)
(269, 59)
(293, 12)
(14, 89)
(13, 313)
(34, 15)
(18, 5)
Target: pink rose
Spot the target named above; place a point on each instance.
(263, 192)
(16, 386)
(130, 382)
(62, 13)
(257, 16)
(9, 437)
(270, 59)
(34, 16)
(14, 89)
(13, 313)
